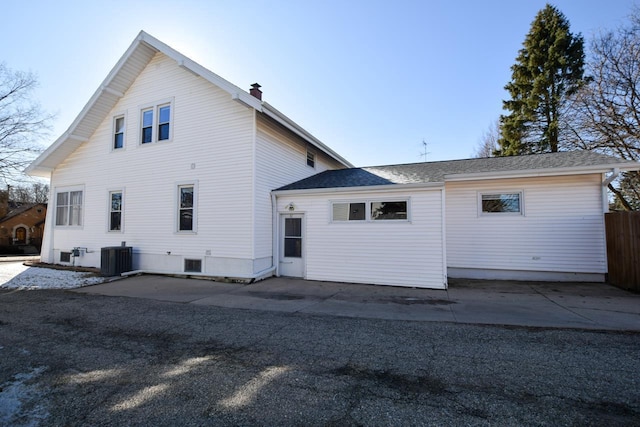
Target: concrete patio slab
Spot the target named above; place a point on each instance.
(162, 288)
(530, 304)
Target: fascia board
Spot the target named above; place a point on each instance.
(295, 128)
(540, 172)
(35, 166)
(199, 70)
(365, 188)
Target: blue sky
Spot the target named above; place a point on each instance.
(371, 79)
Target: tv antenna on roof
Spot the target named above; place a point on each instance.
(424, 153)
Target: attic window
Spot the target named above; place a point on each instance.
(147, 126)
(164, 116)
(311, 159)
(156, 122)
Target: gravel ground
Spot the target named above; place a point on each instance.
(16, 275)
(76, 359)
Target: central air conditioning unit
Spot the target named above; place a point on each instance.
(115, 260)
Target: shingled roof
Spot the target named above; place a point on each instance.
(438, 172)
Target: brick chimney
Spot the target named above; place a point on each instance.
(255, 91)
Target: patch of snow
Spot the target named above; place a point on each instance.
(15, 275)
(20, 403)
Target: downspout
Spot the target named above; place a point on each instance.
(608, 180)
(275, 257)
(443, 214)
(48, 224)
(605, 208)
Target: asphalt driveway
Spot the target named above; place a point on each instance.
(71, 359)
(534, 304)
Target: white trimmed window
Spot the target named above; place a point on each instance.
(115, 211)
(186, 208)
(147, 126)
(118, 132)
(156, 123)
(69, 208)
(164, 122)
(381, 211)
(311, 159)
(349, 211)
(501, 203)
(370, 211)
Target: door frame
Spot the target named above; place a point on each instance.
(281, 235)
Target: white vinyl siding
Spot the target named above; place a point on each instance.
(280, 160)
(562, 229)
(399, 253)
(212, 144)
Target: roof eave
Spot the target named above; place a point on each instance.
(361, 188)
(573, 170)
(295, 128)
(69, 141)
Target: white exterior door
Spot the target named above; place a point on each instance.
(292, 245)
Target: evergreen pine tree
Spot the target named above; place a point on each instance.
(548, 69)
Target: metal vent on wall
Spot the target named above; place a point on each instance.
(193, 266)
(65, 256)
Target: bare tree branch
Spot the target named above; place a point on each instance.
(23, 123)
(488, 143)
(604, 115)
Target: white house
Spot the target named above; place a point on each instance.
(176, 162)
(536, 217)
(202, 178)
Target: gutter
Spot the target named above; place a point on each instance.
(272, 112)
(538, 172)
(387, 187)
(614, 174)
(275, 248)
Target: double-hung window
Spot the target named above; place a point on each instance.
(115, 211)
(164, 121)
(311, 158)
(156, 123)
(147, 126)
(186, 207)
(118, 132)
(69, 208)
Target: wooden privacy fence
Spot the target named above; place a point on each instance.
(623, 249)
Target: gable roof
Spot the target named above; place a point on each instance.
(120, 79)
(563, 163)
(21, 209)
